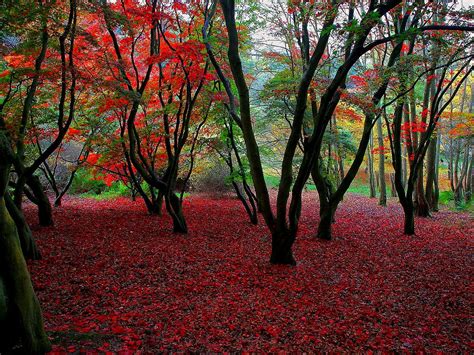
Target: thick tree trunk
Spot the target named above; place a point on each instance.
(469, 178)
(409, 222)
(422, 208)
(282, 242)
(326, 219)
(175, 209)
(27, 242)
(21, 321)
(155, 204)
(45, 212)
(24, 322)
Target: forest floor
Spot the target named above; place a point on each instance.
(113, 278)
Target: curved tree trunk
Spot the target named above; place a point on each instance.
(45, 212)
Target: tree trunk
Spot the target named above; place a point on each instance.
(431, 173)
(21, 321)
(326, 219)
(370, 156)
(469, 178)
(422, 208)
(409, 222)
(58, 201)
(282, 242)
(175, 209)
(27, 242)
(393, 190)
(155, 204)
(383, 187)
(404, 169)
(24, 321)
(59, 197)
(45, 212)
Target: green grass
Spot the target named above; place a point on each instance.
(359, 189)
(117, 189)
(446, 198)
(272, 181)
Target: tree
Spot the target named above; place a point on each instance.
(21, 321)
(158, 69)
(445, 89)
(284, 224)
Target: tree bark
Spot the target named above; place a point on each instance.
(175, 209)
(370, 156)
(326, 219)
(469, 178)
(409, 218)
(436, 179)
(383, 187)
(27, 242)
(45, 212)
(431, 174)
(21, 321)
(282, 242)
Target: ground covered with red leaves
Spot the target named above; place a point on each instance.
(114, 278)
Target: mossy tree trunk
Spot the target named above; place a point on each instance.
(21, 321)
(27, 242)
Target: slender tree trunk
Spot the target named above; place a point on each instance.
(404, 170)
(436, 179)
(59, 197)
(370, 156)
(431, 173)
(383, 187)
(393, 190)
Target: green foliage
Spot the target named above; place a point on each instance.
(117, 189)
(446, 198)
(84, 182)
